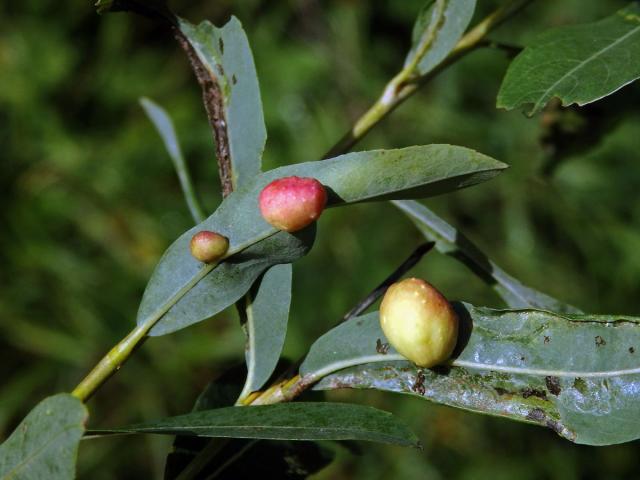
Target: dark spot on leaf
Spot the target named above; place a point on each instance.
(555, 426)
(540, 416)
(382, 348)
(632, 350)
(546, 339)
(580, 385)
(501, 391)
(234, 80)
(220, 69)
(359, 323)
(553, 385)
(465, 327)
(600, 341)
(522, 358)
(441, 369)
(532, 392)
(340, 384)
(221, 45)
(537, 414)
(418, 385)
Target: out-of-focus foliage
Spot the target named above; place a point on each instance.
(90, 201)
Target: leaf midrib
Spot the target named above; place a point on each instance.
(11, 474)
(547, 94)
(151, 320)
(355, 361)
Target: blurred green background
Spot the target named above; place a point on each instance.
(89, 201)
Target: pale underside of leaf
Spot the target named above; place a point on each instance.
(453, 243)
(226, 54)
(165, 128)
(576, 374)
(437, 32)
(266, 325)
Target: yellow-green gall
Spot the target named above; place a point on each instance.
(208, 247)
(419, 322)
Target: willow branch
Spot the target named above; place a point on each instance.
(401, 87)
(406, 82)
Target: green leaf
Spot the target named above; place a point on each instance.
(45, 444)
(355, 342)
(226, 55)
(164, 126)
(437, 31)
(578, 64)
(578, 375)
(183, 291)
(201, 457)
(267, 313)
(286, 421)
(452, 242)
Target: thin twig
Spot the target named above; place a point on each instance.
(380, 290)
(405, 83)
(509, 49)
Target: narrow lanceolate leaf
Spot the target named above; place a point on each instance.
(164, 126)
(226, 56)
(576, 374)
(451, 242)
(183, 291)
(45, 444)
(267, 313)
(286, 421)
(438, 28)
(198, 457)
(578, 64)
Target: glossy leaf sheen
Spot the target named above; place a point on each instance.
(45, 444)
(455, 19)
(277, 458)
(226, 55)
(177, 294)
(287, 421)
(267, 316)
(576, 374)
(451, 242)
(578, 64)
